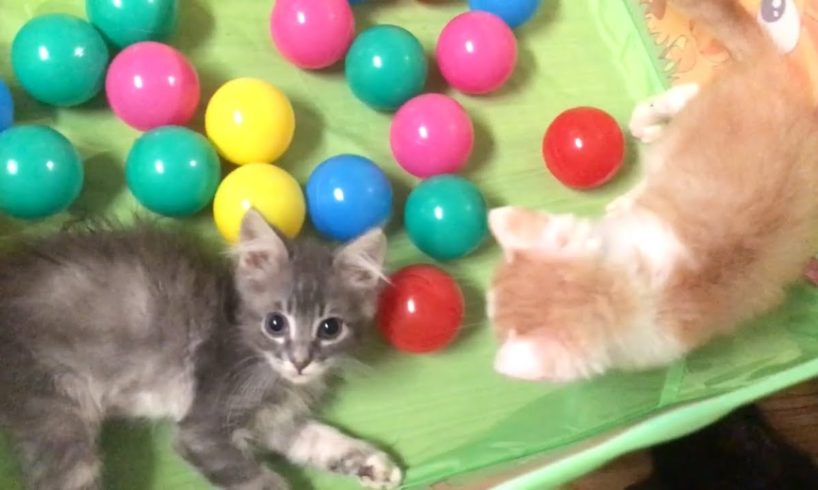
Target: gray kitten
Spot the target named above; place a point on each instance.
(140, 322)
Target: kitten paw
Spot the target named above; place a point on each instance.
(378, 471)
(544, 359)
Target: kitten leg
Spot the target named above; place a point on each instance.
(225, 464)
(58, 446)
(324, 447)
(649, 117)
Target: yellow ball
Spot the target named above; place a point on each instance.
(267, 188)
(249, 120)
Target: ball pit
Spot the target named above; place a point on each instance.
(476, 52)
(312, 34)
(151, 84)
(513, 12)
(59, 59)
(6, 107)
(131, 21)
(584, 147)
(445, 217)
(173, 171)
(41, 172)
(347, 195)
(270, 190)
(386, 66)
(250, 121)
(430, 135)
(421, 309)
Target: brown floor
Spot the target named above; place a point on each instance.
(794, 413)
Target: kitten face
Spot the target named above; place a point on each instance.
(304, 307)
(553, 301)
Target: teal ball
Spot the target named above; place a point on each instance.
(173, 171)
(126, 22)
(41, 172)
(59, 59)
(446, 217)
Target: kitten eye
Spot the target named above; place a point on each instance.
(330, 329)
(276, 324)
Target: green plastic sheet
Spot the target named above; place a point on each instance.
(447, 416)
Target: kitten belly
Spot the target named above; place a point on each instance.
(171, 398)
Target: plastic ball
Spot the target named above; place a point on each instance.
(421, 310)
(312, 34)
(59, 59)
(250, 121)
(41, 172)
(584, 147)
(347, 195)
(126, 22)
(446, 217)
(6, 107)
(476, 52)
(386, 66)
(513, 12)
(430, 135)
(268, 189)
(151, 84)
(173, 171)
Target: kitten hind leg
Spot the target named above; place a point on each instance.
(649, 117)
(324, 447)
(58, 447)
(226, 465)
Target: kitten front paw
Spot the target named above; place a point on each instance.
(378, 471)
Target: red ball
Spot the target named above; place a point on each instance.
(421, 310)
(584, 147)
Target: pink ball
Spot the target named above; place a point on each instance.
(476, 52)
(150, 84)
(312, 34)
(431, 134)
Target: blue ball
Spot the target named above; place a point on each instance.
(513, 12)
(6, 107)
(348, 195)
(355, 2)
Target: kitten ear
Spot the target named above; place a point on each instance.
(523, 230)
(260, 249)
(517, 229)
(360, 262)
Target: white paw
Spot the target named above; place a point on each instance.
(379, 472)
(544, 359)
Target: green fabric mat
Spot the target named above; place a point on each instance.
(446, 415)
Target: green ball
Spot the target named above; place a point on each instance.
(59, 59)
(40, 172)
(386, 66)
(446, 217)
(125, 22)
(173, 171)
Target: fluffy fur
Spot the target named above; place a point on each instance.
(725, 219)
(140, 322)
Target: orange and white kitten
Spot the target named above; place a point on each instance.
(725, 219)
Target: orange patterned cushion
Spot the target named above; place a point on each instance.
(691, 54)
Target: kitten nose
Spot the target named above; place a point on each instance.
(300, 362)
